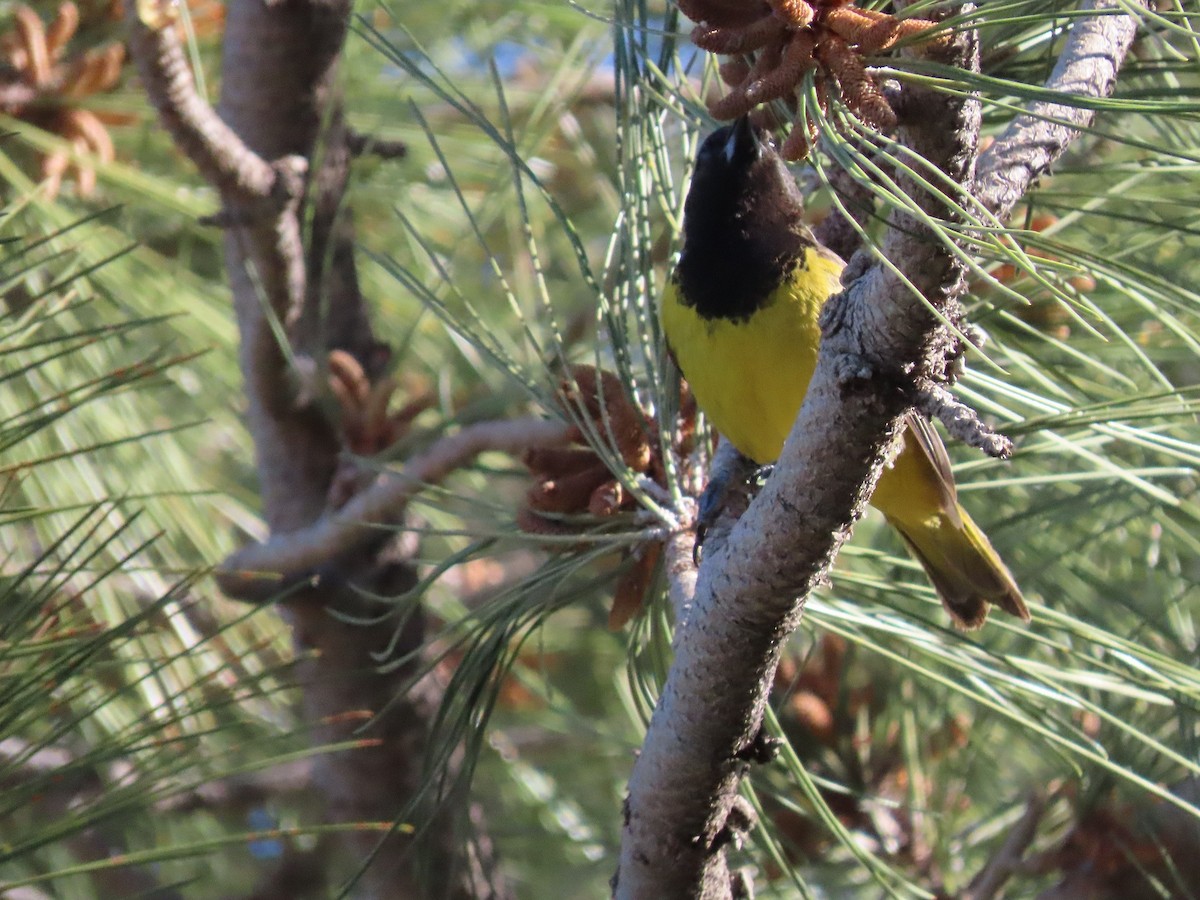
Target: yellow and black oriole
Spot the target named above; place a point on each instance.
(740, 315)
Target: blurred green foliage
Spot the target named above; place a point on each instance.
(528, 227)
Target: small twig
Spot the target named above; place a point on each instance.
(255, 572)
(228, 218)
(1087, 67)
(1007, 861)
(220, 155)
(361, 144)
(260, 197)
(961, 421)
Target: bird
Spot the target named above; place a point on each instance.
(740, 315)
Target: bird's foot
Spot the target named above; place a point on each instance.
(760, 475)
(721, 482)
(709, 507)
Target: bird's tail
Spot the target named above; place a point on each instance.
(962, 565)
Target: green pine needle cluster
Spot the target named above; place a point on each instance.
(529, 230)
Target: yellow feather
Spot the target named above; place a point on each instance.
(750, 375)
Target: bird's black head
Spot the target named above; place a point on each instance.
(743, 223)
(732, 148)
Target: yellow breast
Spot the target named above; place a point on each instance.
(750, 375)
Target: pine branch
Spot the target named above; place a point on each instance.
(257, 573)
(294, 304)
(1086, 67)
(216, 149)
(750, 593)
(1007, 861)
(681, 573)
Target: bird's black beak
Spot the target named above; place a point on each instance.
(743, 141)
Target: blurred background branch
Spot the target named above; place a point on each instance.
(499, 648)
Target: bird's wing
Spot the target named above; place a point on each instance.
(925, 436)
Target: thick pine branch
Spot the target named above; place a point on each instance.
(750, 592)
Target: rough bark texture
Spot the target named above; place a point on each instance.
(278, 82)
(749, 596)
(1032, 142)
(279, 65)
(880, 346)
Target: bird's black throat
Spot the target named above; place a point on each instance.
(743, 234)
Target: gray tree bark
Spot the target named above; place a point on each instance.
(279, 155)
(879, 342)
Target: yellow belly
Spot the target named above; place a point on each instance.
(750, 376)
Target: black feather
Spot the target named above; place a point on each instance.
(743, 226)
